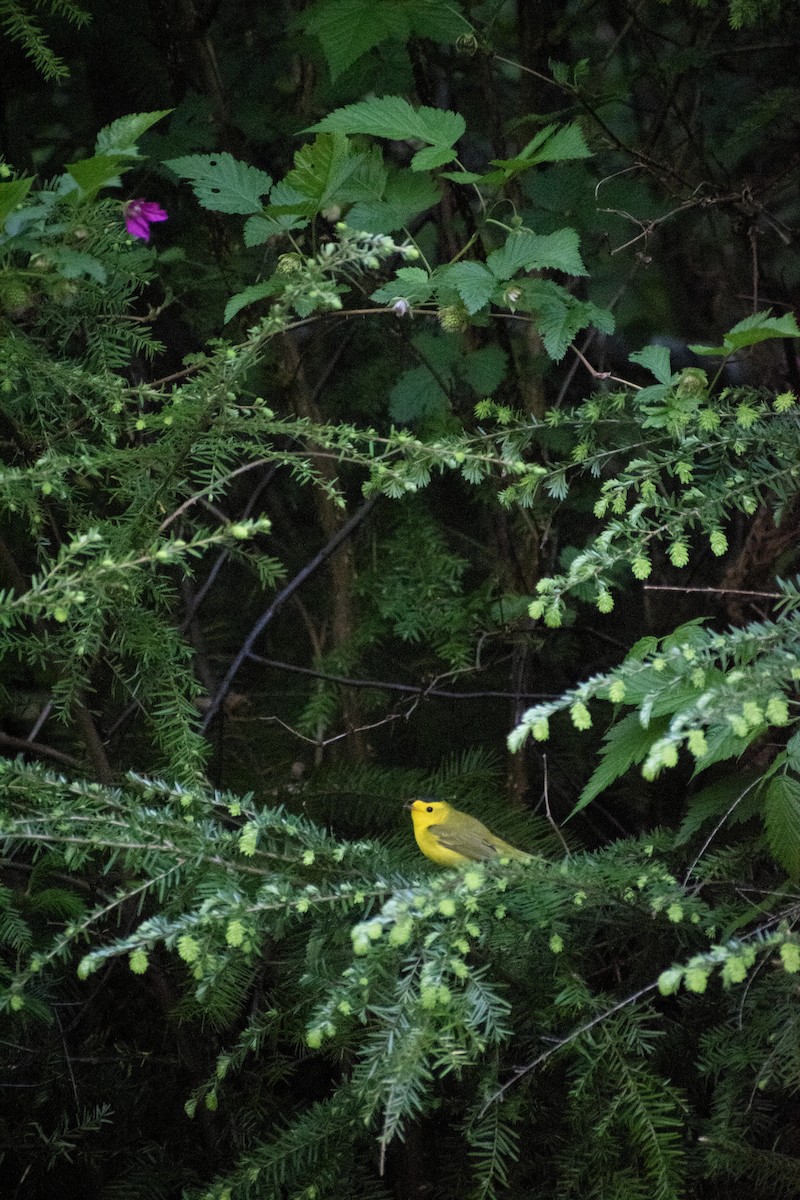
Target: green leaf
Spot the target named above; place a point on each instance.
(393, 117)
(641, 648)
(723, 744)
(559, 316)
(221, 183)
(91, 174)
(259, 228)
(121, 136)
(464, 176)
(782, 822)
(410, 283)
(348, 29)
(13, 194)
(528, 251)
(793, 752)
(416, 395)
(369, 175)
(760, 327)
(437, 21)
(566, 142)
(626, 744)
(402, 197)
(322, 168)
(73, 264)
(712, 802)
(471, 280)
(256, 291)
(484, 370)
(553, 143)
(432, 156)
(655, 359)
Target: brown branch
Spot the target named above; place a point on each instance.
(408, 688)
(39, 749)
(715, 591)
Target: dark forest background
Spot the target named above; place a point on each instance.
(441, 441)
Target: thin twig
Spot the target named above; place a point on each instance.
(716, 830)
(548, 813)
(285, 594)
(565, 1041)
(317, 742)
(409, 688)
(259, 462)
(595, 374)
(669, 587)
(68, 1061)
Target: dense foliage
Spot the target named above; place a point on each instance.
(392, 390)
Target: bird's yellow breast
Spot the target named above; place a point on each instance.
(427, 813)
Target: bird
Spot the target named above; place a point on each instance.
(452, 838)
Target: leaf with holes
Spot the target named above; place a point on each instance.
(221, 183)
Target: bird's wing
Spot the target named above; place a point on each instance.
(464, 840)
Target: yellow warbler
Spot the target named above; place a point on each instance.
(452, 838)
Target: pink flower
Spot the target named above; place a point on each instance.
(139, 215)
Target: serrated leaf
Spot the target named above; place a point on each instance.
(347, 29)
(793, 752)
(12, 194)
(471, 280)
(567, 142)
(322, 168)
(73, 264)
(656, 360)
(760, 327)
(416, 395)
(484, 370)
(558, 251)
(553, 143)
(641, 648)
(393, 117)
(722, 744)
(222, 183)
(556, 322)
(402, 197)
(625, 744)
(559, 316)
(717, 351)
(91, 174)
(432, 156)
(464, 176)
(782, 822)
(712, 802)
(121, 136)
(369, 176)
(256, 291)
(264, 225)
(528, 251)
(434, 20)
(410, 283)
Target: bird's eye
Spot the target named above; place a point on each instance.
(430, 808)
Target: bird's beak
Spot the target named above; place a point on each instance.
(409, 804)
